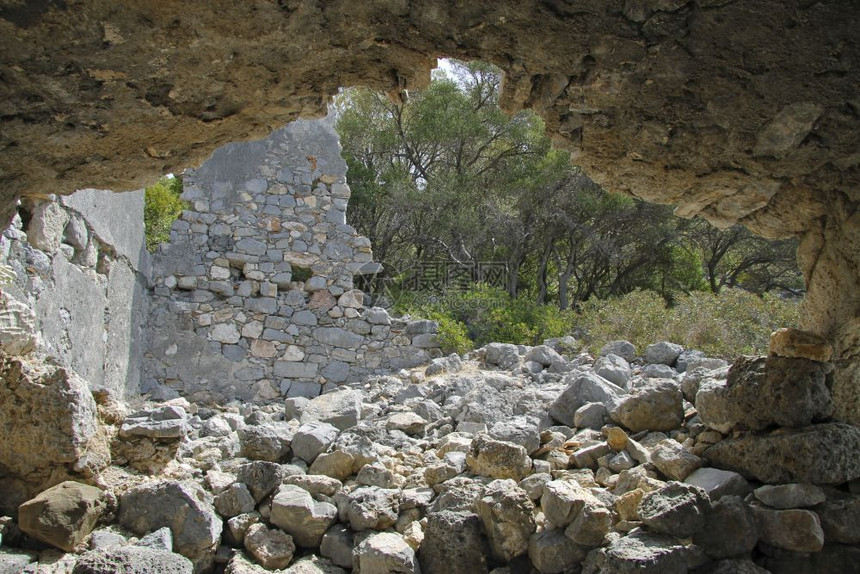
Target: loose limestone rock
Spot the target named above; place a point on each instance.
(294, 510)
(133, 560)
(640, 552)
(341, 409)
(582, 389)
(552, 552)
(677, 509)
(656, 406)
(453, 543)
(795, 343)
(385, 553)
(784, 496)
(663, 353)
(272, 548)
(183, 506)
(312, 438)
(730, 529)
(796, 530)
(673, 460)
(507, 514)
(64, 515)
(498, 459)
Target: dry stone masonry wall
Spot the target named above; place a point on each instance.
(254, 295)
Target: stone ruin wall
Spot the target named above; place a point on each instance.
(80, 295)
(253, 296)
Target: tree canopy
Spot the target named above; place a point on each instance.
(446, 176)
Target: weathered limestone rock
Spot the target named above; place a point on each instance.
(563, 500)
(663, 353)
(294, 510)
(718, 483)
(819, 454)
(786, 496)
(74, 444)
(341, 409)
(624, 349)
(797, 530)
(498, 459)
(234, 500)
(384, 553)
(133, 560)
(272, 548)
(656, 406)
(312, 438)
(507, 514)
(765, 391)
(730, 529)
(453, 543)
(677, 509)
(639, 552)
(614, 369)
(268, 442)
(369, 507)
(673, 460)
(184, 507)
(795, 343)
(552, 552)
(583, 389)
(840, 519)
(64, 515)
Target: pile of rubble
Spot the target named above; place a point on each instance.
(510, 460)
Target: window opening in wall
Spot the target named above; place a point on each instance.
(161, 208)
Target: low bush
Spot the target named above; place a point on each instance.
(734, 323)
(162, 207)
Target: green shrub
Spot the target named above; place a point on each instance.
(162, 207)
(734, 323)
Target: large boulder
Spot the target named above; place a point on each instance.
(656, 406)
(818, 454)
(57, 435)
(663, 353)
(587, 388)
(797, 530)
(614, 369)
(184, 507)
(341, 409)
(64, 515)
(730, 529)
(765, 391)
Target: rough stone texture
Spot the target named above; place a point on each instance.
(676, 509)
(797, 530)
(795, 391)
(294, 510)
(132, 560)
(840, 519)
(89, 307)
(788, 342)
(783, 496)
(64, 515)
(583, 389)
(272, 548)
(454, 544)
(641, 552)
(730, 529)
(663, 353)
(507, 514)
(673, 460)
(552, 552)
(656, 406)
(184, 507)
(718, 483)
(64, 440)
(819, 454)
(385, 553)
(498, 459)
